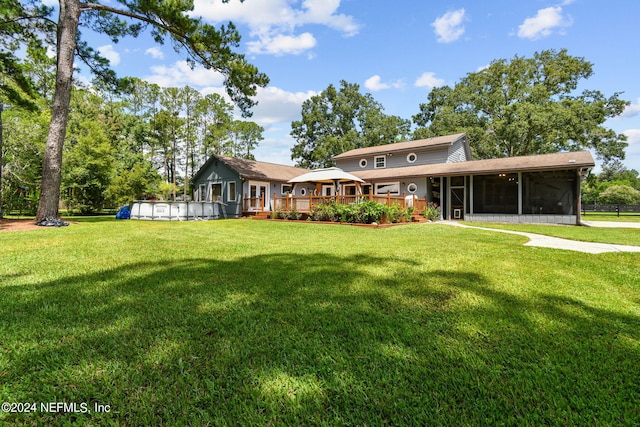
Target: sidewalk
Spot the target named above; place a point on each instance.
(558, 243)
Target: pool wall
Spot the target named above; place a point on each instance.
(176, 211)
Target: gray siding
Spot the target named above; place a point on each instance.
(457, 152)
(397, 160)
(218, 172)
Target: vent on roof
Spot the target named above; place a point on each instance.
(572, 160)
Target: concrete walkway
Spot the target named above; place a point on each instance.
(542, 241)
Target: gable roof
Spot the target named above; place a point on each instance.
(252, 169)
(541, 162)
(435, 142)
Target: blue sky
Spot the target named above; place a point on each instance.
(397, 51)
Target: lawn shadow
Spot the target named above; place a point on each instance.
(289, 339)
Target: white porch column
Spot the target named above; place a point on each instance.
(519, 193)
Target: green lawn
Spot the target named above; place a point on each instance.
(257, 322)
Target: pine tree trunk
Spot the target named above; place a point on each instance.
(52, 162)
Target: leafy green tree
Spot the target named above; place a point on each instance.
(620, 195)
(87, 167)
(244, 137)
(526, 106)
(204, 44)
(16, 88)
(338, 120)
(216, 117)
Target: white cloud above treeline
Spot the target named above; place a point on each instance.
(154, 52)
(375, 84)
(274, 24)
(429, 80)
(546, 22)
(449, 27)
(110, 53)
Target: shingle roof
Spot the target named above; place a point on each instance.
(402, 146)
(252, 169)
(555, 161)
(263, 170)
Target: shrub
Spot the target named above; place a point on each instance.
(620, 195)
(432, 212)
(369, 212)
(324, 212)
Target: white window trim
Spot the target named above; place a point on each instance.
(211, 184)
(379, 184)
(303, 191)
(231, 195)
(363, 163)
(202, 192)
(384, 162)
(415, 157)
(284, 192)
(412, 184)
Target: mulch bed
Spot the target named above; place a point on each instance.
(18, 225)
(9, 224)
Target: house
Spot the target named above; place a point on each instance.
(245, 187)
(534, 189)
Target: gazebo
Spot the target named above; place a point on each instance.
(325, 176)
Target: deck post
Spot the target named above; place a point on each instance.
(404, 200)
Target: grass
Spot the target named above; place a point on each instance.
(620, 236)
(609, 216)
(255, 322)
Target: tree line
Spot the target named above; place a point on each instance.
(120, 139)
(140, 141)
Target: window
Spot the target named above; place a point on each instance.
(392, 188)
(231, 191)
(380, 162)
(363, 163)
(412, 188)
(286, 188)
(216, 192)
(202, 193)
(349, 190)
(412, 157)
(303, 191)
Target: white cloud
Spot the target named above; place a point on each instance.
(633, 139)
(631, 110)
(180, 74)
(276, 105)
(109, 52)
(449, 26)
(544, 23)
(429, 80)
(274, 22)
(154, 52)
(375, 84)
(283, 44)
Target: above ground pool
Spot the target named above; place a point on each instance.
(176, 211)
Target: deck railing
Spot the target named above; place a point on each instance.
(305, 204)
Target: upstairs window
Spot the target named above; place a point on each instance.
(380, 162)
(363, 163)
(412, 157)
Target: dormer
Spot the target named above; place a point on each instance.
(441, 149)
